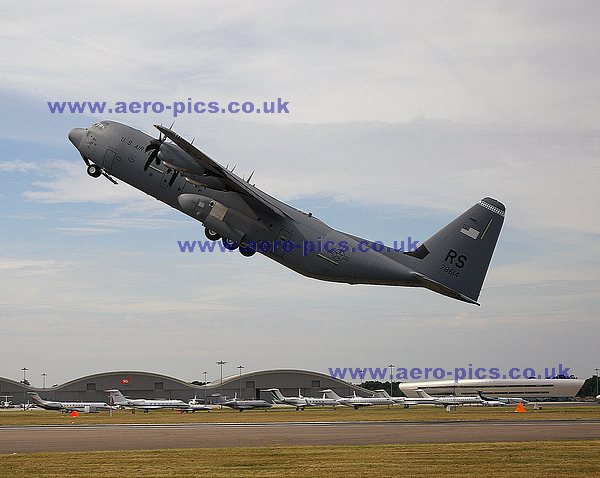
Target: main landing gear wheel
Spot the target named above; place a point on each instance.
(212, 235)
(229, 244)
(247, 251)
(94, 171)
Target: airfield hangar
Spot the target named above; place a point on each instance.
(136, 384)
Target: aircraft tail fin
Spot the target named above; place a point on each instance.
(485, 398)
(117, 397)
(35, 398)
(455, 260)
(331, 394)
(423, 393)
(276, 394)
(382, 393)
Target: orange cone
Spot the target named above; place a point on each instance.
(74, 413)
(520, 408)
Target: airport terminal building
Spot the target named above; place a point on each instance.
(136, 384)
(530, 388)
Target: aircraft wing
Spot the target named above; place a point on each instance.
(212, 168)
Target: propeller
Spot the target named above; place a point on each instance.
(154, 146)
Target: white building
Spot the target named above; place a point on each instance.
(524, 388)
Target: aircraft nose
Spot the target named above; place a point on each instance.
(76, 135)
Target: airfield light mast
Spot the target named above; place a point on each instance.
(24, 369)
(221, 363)
(240, 367)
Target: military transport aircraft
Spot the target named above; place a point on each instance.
(452, 262)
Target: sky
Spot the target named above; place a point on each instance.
(401, 116)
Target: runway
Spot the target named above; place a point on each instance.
(27, 439)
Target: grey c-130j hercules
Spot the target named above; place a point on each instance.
(452, 262)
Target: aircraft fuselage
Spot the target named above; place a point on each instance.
(319, 251)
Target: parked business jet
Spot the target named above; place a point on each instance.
(357, 402)
(300, 402)
(66, 407)
(499, 401)
(145, 404)
(241, 404)
(405, 401)
(195, 405)
(449, 400)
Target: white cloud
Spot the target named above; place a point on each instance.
(17, 166)
(455, 61)
(30, 266)
(68, 182)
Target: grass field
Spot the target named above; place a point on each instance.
(528, 459)
(286, 414)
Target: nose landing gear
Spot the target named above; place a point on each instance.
(94, 171)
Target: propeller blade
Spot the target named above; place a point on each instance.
(147, 165)
(154, 147)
